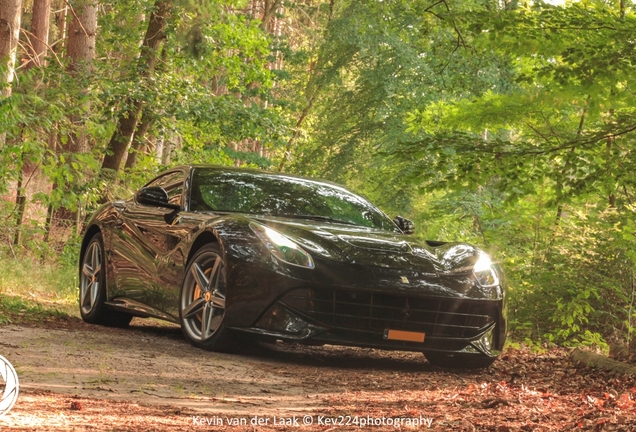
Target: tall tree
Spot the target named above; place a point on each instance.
(60, 17)
(127, 121)
(80, 51)
(39, 34)
(10, 14)
(80, 48)
(38, 44)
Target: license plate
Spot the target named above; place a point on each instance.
(402, 335)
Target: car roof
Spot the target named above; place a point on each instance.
(256, 171)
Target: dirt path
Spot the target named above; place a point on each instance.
(83, 377)
(153, 365)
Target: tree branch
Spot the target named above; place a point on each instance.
(77, 18)
(47, 45)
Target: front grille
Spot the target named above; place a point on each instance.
(375, 312)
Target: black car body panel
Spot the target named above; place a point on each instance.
(365, 279)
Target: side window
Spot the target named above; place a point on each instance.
(173, 184)
(175, 192)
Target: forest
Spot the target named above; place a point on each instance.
(509, 125)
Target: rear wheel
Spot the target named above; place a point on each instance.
(202, 301)
(92, 293)
(459, 361)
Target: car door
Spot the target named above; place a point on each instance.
(143, 240)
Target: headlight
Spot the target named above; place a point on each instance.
(484, 273)
(281, 247)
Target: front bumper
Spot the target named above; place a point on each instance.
(359, 318)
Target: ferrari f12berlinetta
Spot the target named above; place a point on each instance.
(229, 253)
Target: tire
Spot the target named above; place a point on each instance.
(92, 289)
(459, 361)
(202, 302)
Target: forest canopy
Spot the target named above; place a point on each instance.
(511, 125)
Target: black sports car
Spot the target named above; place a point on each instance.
(228, 253)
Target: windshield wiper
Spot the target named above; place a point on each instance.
(315, 217)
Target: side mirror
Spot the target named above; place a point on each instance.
(155, 196)
(407, 226)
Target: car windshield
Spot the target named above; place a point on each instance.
(280, 195)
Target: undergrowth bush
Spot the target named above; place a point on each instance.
(581, 289)
(50, 284)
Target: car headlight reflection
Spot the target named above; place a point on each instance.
(281, 247)
(484, 272)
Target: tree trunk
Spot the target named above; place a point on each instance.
(80, 48)
(593, 360)
(10, 14)
(20, 207)
(60, 23)
(39, 35)
(291, 140)
(166, 151)
(127, 121)
(608, 155)
(122, 136)
(38, 44)
(80, 45)
(147, 119)
(53, 135)
(314, 93)
(159, 150)
(269, 7)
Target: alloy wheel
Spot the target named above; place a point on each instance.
(203, 297)
(91, 277)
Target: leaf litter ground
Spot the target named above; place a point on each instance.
(80, 377)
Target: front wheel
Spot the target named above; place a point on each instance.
(92, 293)
(202, 301)
(459, 361)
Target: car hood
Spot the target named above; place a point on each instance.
(368, 246)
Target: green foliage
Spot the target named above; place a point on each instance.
(32, 290)
(581, 284)
(207, 100)
(507, 127)
(568, 115)
(17, 310)
(379, 63)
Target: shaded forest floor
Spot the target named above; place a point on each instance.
(75, 376)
